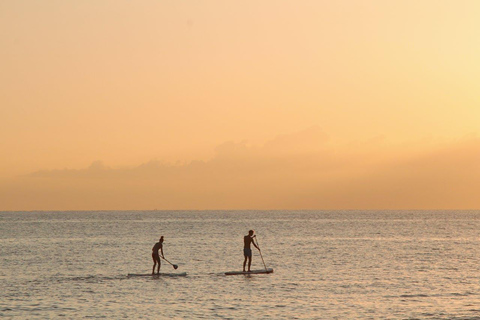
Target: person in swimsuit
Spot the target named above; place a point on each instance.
(155, 256)
(247, 251)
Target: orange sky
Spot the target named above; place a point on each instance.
(236, 105)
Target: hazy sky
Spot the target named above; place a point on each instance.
(239, 104)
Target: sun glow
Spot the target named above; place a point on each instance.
(178, 84)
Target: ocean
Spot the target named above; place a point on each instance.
(327, 265)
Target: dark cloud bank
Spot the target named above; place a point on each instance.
(298, 171)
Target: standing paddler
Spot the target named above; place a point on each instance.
(247, 251)
(156, 256)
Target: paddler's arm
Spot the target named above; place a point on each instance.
(253, 242)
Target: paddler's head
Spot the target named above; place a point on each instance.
(161, 239)
(250, 233)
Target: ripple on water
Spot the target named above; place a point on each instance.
(328, 265)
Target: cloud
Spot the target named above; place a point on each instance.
(297, 171)
(96, 169)
(311, 140)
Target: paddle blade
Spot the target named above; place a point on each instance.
(175, 267)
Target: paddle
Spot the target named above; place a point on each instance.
(174, 265)
(261, 253)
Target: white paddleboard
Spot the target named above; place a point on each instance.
(183, 274)
(233, 273)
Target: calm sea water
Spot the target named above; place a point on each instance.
(328, 265)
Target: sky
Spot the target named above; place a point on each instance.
(123, 105)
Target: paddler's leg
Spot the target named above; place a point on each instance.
(154, 263)
(245, 253)
(248, 255)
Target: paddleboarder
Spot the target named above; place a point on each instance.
(155, 255)
(247, 251)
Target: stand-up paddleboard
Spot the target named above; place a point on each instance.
(163, 274)
(234, 273)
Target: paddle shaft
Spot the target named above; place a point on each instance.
(261, 254)
(174, 265)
